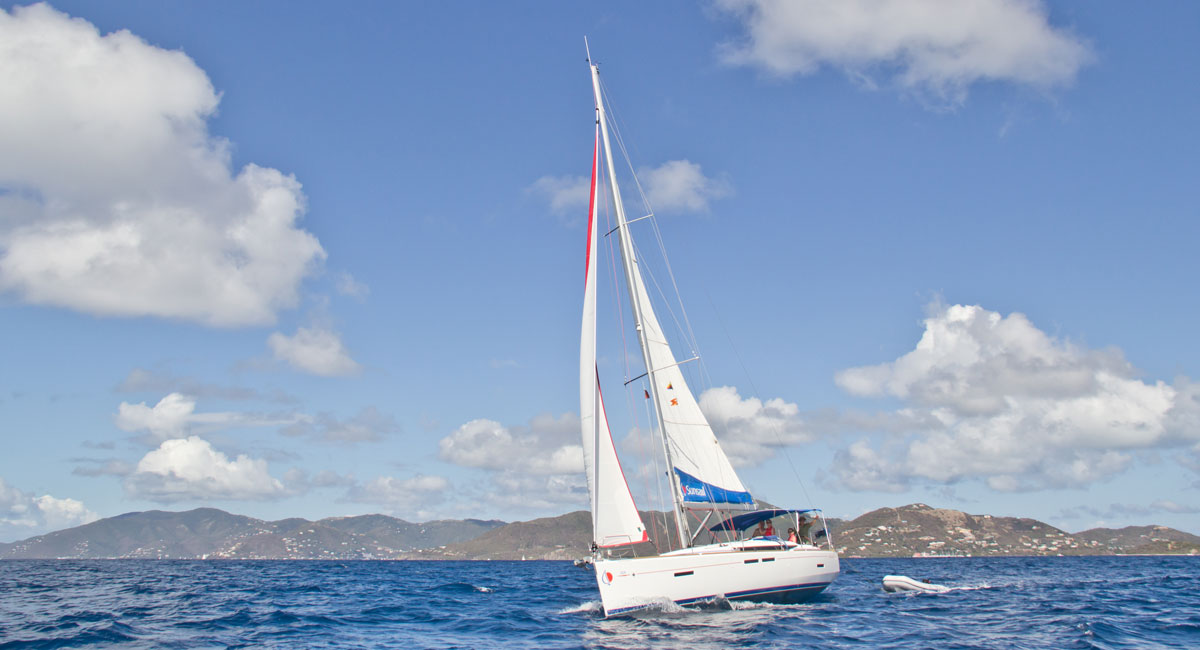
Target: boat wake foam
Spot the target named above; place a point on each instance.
(463, 587)
(590, 607)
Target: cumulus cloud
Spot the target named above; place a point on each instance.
(190, 469)
(369, 425)
(25, 515)
(674, 186)
(115, 199)
(750, 429)
(530, 466)
(412, 495)
(548, 445)
(316, 351)
(993, 397)
(936, 47)
(565, 194)
(175, 416)
(681, 186)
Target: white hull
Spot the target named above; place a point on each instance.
(734, 571)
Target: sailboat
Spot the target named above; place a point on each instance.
(716, 556)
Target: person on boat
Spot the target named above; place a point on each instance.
(760, 531)
(803, 528)
(792, 537)
(769, 531)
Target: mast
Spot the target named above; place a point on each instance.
(628, 261)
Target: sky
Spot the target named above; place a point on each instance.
(298, 259)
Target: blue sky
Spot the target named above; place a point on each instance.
(288, 259)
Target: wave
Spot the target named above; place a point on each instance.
(993, 604)
(462, 588)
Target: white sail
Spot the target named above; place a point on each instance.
(706, 479)
(615, 519)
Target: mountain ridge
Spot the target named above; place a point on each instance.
(913, 530)
(210, 533)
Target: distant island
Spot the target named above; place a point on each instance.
(915, 530)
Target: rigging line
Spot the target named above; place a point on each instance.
(682, 328)
(673, 365)
(658, 491)
(616, 132)
(675, 286)
(615, 121)
(612, 268)
(775, 425)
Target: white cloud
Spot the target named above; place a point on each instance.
(994, 398)
(369, 425)
(190, 469)
(412, 495)
(23, 515)
(534, 493)
(680, 185)
(566, 194)
(937, 47)
(169, 418)
(316, 351)
(548, 445)
(531, 467)
(175, 416)
(115, 199)
(750, 430)
(674, 186)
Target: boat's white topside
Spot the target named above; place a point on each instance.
(755, 569)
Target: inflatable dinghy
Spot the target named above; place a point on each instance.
(905, 583)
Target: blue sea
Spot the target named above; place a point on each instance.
(1092, 602)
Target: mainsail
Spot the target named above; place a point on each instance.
(615, 519)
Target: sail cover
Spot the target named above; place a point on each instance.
(706, 478)
(615, 519)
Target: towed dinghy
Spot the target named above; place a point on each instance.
(893, 584)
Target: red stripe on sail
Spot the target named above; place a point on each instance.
(587, 262)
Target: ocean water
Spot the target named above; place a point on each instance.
(1092, 602)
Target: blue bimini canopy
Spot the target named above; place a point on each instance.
(748, 519)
